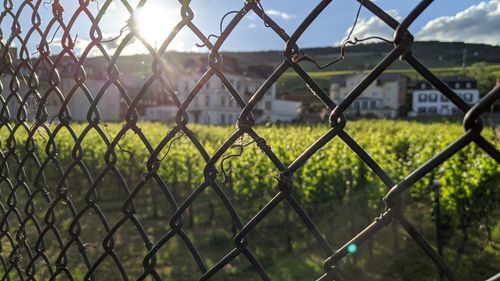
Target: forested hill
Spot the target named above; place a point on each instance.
(360, 57)
(434, 54)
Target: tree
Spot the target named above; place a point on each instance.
(485, 78)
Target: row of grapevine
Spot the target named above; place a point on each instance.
(334, 181)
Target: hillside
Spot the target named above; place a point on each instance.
(444, 58)
(292, 87)
(433, 54)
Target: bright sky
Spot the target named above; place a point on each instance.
(445, 20)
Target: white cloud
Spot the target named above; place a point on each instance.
(373, 26)
(477, 24)
(280, 14)
(112, 40)
(134, 46)
(177, 45)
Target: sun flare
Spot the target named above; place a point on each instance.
(154, 23)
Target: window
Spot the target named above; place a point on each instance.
(457, 85)
(444, 98)
(373, 104)
(207, 100)
(433, 97)
(445, 109)
(364, 104)
(222, 101)
(356, 105)
(422, 86)
(468, 85)
(421, 109)
(468, 97)
(230, 118)
(422, 97)
(223, 118)
(432, 109)
(268, 105)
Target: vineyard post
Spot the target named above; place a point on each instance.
(95, 172)
(436, 187)
(189, 187)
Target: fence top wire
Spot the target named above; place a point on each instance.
(24, 111)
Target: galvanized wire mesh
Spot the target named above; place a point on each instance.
(23, 110)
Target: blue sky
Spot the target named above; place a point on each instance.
(446, 20)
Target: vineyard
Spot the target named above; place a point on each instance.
(335, 186)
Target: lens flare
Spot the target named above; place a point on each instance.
(352, 249)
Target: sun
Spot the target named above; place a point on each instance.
(155, 22)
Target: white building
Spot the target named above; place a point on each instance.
(79, 103)
(385, 97)
(163, 113)
(10, 104)
(14, 89)
(213, 104)
(426, 100)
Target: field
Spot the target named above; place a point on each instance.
(337, 189)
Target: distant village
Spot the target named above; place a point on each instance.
(391, 95)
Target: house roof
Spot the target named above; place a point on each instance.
(261, 71)
(452, 78)
(229, 65)
(200, 65)
(384, 77)
(338, 79)
(457, 78)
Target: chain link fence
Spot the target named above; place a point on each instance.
(26, 115)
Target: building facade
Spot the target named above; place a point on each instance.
(213, 104)
(426, 100)
(66, 93)
(82, 96)
(384, 98)
(162, 113)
